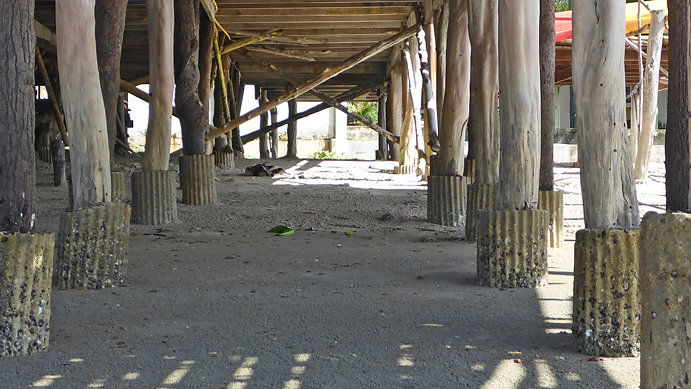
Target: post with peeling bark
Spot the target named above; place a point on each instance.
(292, 130)
(442, 39)
(549, 200)
(427, 51)
(196, 166)
(110, 27)
(512, 247)
(395, 104)
(26, 258)
(484, 108)
(407, 158)
(446, 198)
(606, 252)
(93, 235)
(153, 188)
(651, 84)
(666, 238)
(263, 122)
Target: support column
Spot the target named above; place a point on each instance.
(651, 85)
(383, 152)
(153, 189)
(605, 308)
(512, 247)
(274, 134)
(263, 122)
(395, 105)
(292, 130)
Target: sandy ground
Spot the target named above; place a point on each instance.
(357, 298)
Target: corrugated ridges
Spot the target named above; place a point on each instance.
(197, 179)
(118, 190)
(553, 202)
(26, 267)
(512, 248)
(606, 307)
(446, 200)
(405, 169)
(480, 196)
(224, 160)
(91, 249)
(153, 197)
(665, 282)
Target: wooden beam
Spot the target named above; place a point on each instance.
(249, 41)
(283, 53)
(52, 97)
(321, 78)
(43, 32)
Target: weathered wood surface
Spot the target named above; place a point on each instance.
(17, 192)
(427, 53)
(454, 114)
(484, 88)
(441, 34)
(274, 134)
(651, 84)
(83, 102)
(194, 119)
(678, 137)
(547, 110)
(408, 153)
(325, 75)
(394, 120)
(110, 27)
(292, 149)
(52, 97)
(206, 44)
(383, 151)
(161, 84)
(607, 182)
(263, 122)
(519, 83)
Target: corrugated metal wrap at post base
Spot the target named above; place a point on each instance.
(118, 191)
(512, 248)
(197, 179)
(446, 200)
(91, 248)
(26, 266)
(405, 169)
(480, 196)
(153, 197)
(224, 160)
(606, 306)
(553, 202)
(665, 300)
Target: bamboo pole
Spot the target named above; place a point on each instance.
(52, 97)
(327, 74)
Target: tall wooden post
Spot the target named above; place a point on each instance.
(395, 104)
(206, 44)
(110, 27)
(83, 102)
(17, 192)
(457, 92)
(383, 152)
(606, 259)
(408, 150)
(442, 35)
(263, 122)
(651, 84)
(194, 118)
(274, 134)
(427, 50)
(484, 88)
(161, 84)
(678, 137)
(547, 47)
(292, 130)
(238, 91)
(609, 192)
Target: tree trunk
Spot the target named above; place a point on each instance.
(608, 188)
(292, 130)
(484, 88)
(206, 44)
(457, 94)
(519, 83)
(17, 192)
(395, 111)
(412, 59)
(547, 47)
(83, 102)
(263, 122)
(274, 134)
(238, 92)
(194, 118)
(381, 108)
(161, 84)
(442, 39)
(221, 144)
(678, 137)
(427, 50)
(408, 154)
(635, 121)
(110, 27)
(651, 84)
